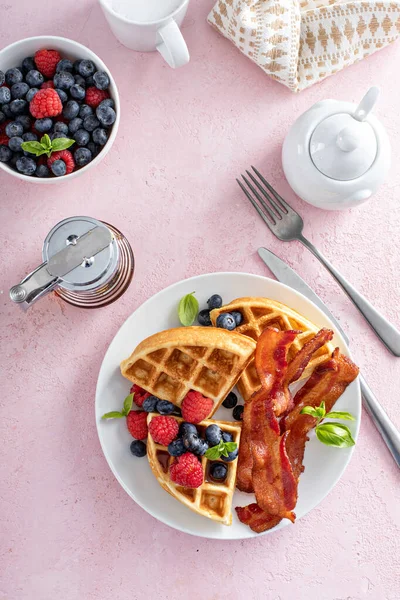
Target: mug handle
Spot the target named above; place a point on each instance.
(172, 46)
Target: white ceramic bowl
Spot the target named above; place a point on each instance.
(13, 55)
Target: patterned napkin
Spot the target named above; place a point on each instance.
(300, 42)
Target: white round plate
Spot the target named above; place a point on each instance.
(324, 465)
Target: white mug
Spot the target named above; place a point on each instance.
(148, 25)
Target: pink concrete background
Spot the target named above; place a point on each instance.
(68, 530)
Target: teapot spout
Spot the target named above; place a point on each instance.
(367, 104)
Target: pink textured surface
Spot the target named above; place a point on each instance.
(68, 530)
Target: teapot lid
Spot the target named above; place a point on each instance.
(344, 146)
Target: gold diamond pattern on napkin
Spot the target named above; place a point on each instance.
(300, 42)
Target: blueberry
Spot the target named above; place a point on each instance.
(28, 64)
(74, 125)
(81, 137)
(106, 115)
(204, 317)
(80, 80)
(238, 412)
(237, 316)
(5, 153)
(13, 76)
(34, 78)
(176, 448)
(230, 401)
(71, 109)
(76, 65)
(63, 95)
(15, 158)
(42, 171)
(138, 448)
(2, 78)
(100, 136)
(26, 166)
(14, 143)
(19, 90)
(5, 95)
(61, 127)
(214, 302)
(149, 405)
(186, 428)
(218, 471)
(32, 92)
(63, 80)
(108, 102)
(89, 81)
(2, 117)
(94, 149)
(25, 121)
(101, 80)
(6, 109)
(57, 135)
(213, 435)
(14, 128)
(226, 321)
(77, 92)
(59, 168)
(29, 137)
(64, 65)
(85, 110)
(86, 68)
(227, 437)
(43, 125)
(165, 408)
(90, 123)
(193, 443)
(18, 107)
(231, 456)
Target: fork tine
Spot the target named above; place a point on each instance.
(254, 203)
(284, 205)
(265, 206)
(272, 202)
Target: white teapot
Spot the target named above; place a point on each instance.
(336, 154)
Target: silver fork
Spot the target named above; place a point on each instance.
(287, 225)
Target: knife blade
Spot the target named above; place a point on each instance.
(286, 275)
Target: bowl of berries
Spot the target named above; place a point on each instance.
(59, 109)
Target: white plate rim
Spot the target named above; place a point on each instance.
(169, 288)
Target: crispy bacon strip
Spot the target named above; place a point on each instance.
(327, 383)
(300, 361)
(270, 361)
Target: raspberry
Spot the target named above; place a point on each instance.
(94, 96)
(163, 430)
(136, 422)
(4, 139)
(139, 394)
(46, 85)
(64, 155)
(46, 61)
(45, 103)
(187, 471)
(196, 407)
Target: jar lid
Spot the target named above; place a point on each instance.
(343, 147)
(96, 268)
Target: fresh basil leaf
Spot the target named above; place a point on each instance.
(310, 410)
(33, 148)
(335, 434)
(127, 405)
(114, 414)
(61, 144)
(46, 141)
(231, 446)
(340, 415)
(212, 453)
(188, 309)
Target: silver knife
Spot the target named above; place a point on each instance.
(384, 425)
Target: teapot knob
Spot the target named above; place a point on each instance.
(348, 139)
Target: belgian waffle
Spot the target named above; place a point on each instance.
(212, 499)
(171, 363)
(259, 313)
